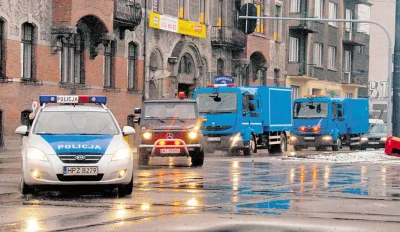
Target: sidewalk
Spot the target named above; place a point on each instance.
(10, 154)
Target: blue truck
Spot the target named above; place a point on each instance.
(323, 122)
(242, 120)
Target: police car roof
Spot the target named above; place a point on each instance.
(80, 108)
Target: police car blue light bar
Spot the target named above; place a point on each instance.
(72, 99)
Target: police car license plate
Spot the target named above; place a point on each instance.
(309, 138)
(213, 139)
(80, 171)
(170, 151)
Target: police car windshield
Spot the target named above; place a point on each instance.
(211, 103)
(90, 123)
(310, 110)
(170, 110)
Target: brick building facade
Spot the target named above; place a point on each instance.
(57, 46)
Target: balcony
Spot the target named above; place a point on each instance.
(228, 37)
(305, 26)
(306, 69)
(127, 15)
(354, 78)
(355, 38)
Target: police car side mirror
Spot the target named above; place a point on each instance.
(128, 130)
(138, 111)
(22, 130)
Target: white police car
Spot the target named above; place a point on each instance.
(75, 144)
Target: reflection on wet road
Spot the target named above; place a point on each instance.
(258, 185)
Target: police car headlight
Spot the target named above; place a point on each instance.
(383, 139)
(364, 139)
(146, 135)
(327, 138)
(192, 135)
(36, 154)
(122, 154)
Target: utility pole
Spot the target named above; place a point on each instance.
(396, 75)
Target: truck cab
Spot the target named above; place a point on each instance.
(322, 122)
(170, 128)
(244, 119)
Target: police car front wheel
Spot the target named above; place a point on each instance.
(26, 189)
(126, 189)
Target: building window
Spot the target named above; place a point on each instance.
(332, 58)
(295, 92)
(27, 50)
(181, 9)
(319, 9)
(360, 49)
(333, 13)
(277, 23)
(72, 60)
(109, 54)
(2, 53)
(186, 64)
(347, 61)
(220, 67)
(220, 10)
(25, 117)
(172, 8)
(202, 11)
(237, 13)
(156, 5)
(293, 49)
(295, 6)
(132, 58)
(276, 76)
(318, 54)
(348, 16)
(260, 22)
(194, 6)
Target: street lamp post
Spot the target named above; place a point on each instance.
(390, 53)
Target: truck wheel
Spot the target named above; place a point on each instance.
(297, 147)
(283, 145)
(251, 149)
(337, 146)
(26, 189)
(280, 148)
(126, 189)
(144, 157)
(197, 158)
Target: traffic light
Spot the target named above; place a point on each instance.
(248, 25)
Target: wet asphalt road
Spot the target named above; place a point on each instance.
(249, 193)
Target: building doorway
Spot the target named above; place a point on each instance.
(187, 88)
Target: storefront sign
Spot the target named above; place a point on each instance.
(223, 80)
(172, 24)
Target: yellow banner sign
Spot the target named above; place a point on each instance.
(168, 23)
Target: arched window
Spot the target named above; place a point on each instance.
(186, 64)
(25, 117)
(132, 66)
(27, 43)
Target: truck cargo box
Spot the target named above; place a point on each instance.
(274, 107)
(356, 113)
